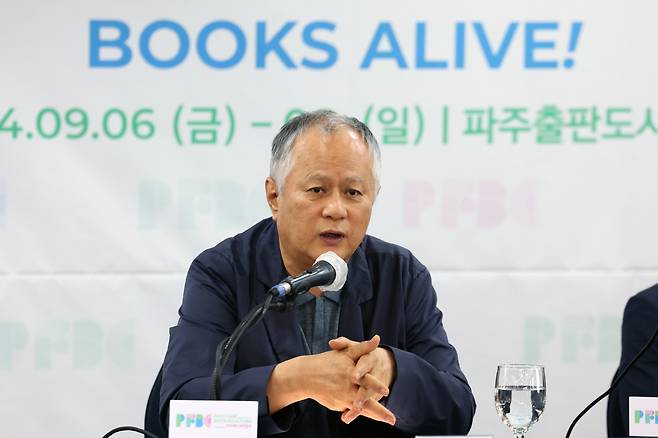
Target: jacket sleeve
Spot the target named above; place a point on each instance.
(638, 325)
(430, 395)
(208, 315)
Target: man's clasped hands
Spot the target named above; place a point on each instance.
(352, 378)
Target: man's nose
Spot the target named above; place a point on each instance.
(335, 207)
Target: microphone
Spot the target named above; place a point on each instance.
(329, 273)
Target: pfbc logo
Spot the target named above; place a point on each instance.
(223, 421)
(646, 417)
(193, 420)
(642, 416)
(206, 418)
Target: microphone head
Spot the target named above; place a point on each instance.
(339, 266)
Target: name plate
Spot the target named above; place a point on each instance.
(213, 418)
(643, 416)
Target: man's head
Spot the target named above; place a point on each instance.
(324, 178)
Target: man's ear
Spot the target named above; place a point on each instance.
(272, 195)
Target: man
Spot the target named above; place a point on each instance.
(388, 369)
(639, 323)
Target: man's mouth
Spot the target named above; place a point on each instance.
(332, 235)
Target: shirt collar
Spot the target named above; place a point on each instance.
(333, 296)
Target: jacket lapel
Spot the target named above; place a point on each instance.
(282, 327)
(357, 290)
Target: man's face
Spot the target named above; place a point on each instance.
(327, 197)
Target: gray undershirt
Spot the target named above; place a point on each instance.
(318, 319)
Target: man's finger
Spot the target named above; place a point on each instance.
(341, 343)
(371, 409)
(357, 350)
(376, 411)
(366, 400)
(349, 415)
(376, 389)
(363, 366)
(363, 395)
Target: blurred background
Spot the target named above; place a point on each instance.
(519, 144)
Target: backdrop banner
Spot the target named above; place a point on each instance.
(519, 145)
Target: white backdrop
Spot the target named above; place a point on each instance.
(534, 245)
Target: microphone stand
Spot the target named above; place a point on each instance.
(284, 303)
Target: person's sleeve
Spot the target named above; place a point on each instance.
(208, 315)
(638, 325)
(430, 395)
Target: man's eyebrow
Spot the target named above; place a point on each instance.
(355, 179)
(317, 176)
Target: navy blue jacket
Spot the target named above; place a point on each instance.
(639, 323)
(388, 292)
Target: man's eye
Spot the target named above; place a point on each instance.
(315, 190)
(354, 192)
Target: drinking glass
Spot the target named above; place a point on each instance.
(520, 396)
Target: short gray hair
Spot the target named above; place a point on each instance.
(329, 122)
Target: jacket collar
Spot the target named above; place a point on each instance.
(269, 267)
(283, 328)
